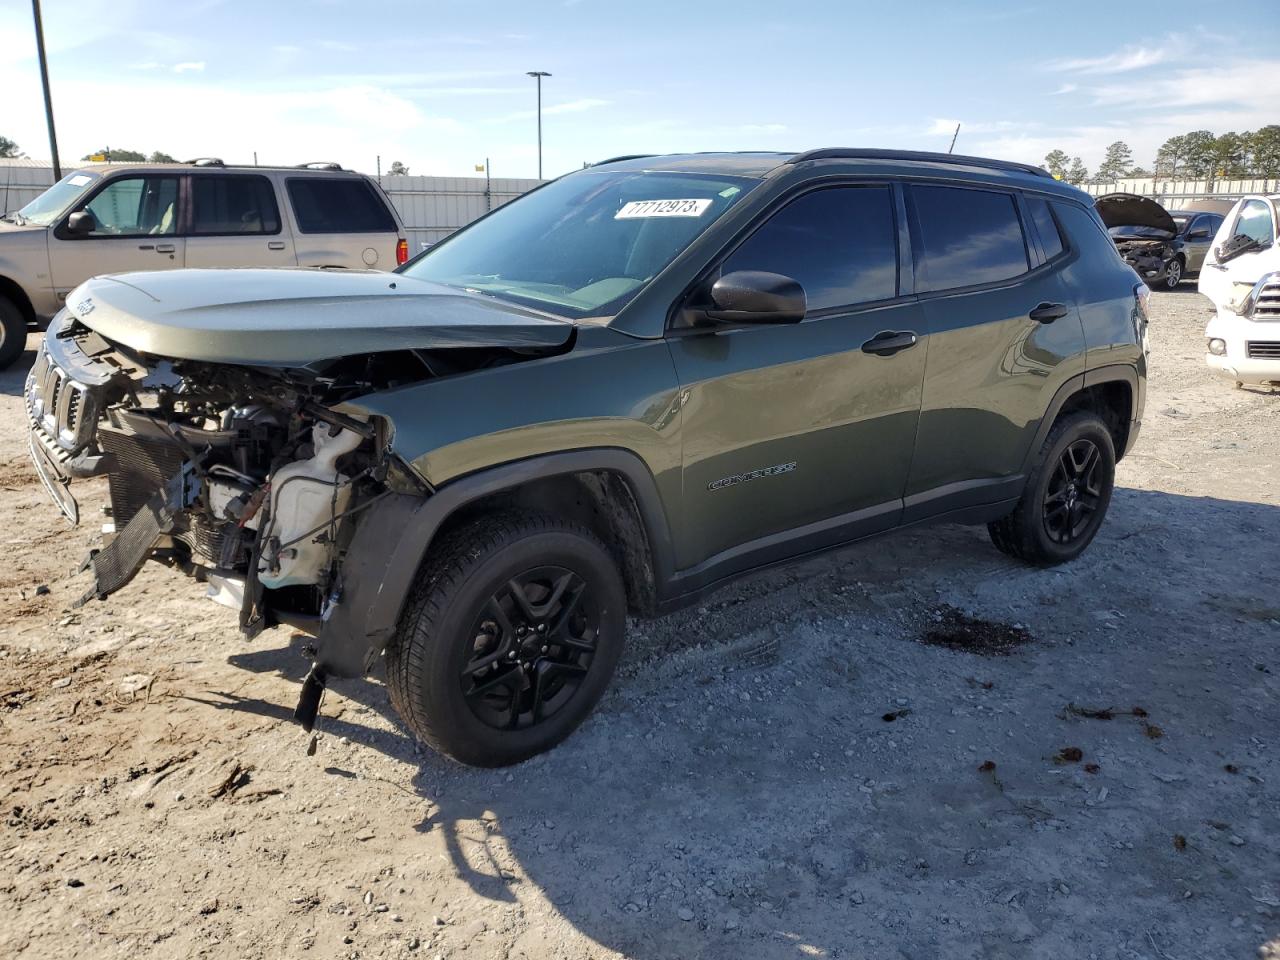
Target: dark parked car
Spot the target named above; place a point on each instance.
(1163, 246)
(610, 396)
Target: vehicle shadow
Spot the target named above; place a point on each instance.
(725, 804)
(14, 377)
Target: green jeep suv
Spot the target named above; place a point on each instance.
(610, 396)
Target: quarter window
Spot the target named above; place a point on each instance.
(330, 205)
(839, 243)
(135, 206)
(233, 205)
(1046, 226)
(1255, 221)
(968, 236)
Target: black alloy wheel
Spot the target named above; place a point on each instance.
(532, 646)
(1074, 493)
(1067, 492)
(510, 638)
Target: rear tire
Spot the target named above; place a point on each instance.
(13, 332)
(510, 640)
(1066, 496)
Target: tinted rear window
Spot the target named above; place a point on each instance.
(347, 205)
(1046, 226)
(233, 204)
(968, 236)
(839, 243)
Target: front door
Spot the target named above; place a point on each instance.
(798, 435)
(135, 227)
(1198, 238)
(235, 222)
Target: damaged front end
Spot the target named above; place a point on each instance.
(1143, 231)
(245, 478)
(1150, 259)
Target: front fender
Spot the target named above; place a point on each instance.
(393, 537)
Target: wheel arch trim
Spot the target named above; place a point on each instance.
(389, 544)
(1111, 373)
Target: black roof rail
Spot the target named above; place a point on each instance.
(318, 165)
(206, 162)
(860, 153)
(625, 156)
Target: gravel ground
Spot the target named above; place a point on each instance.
(786, 771)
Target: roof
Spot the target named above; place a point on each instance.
(762, 163)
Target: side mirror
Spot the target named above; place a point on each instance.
(81, 223)
(756, 296)
(1199, 235)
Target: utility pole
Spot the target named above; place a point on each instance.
(44, 79)
(538, 75)
(488, 187)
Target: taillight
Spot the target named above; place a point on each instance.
(1142, 301)
(402, 252)
(1142, 316)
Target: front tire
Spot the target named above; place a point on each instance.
(510, 640)
(1173, 274)
(1066, 496)
(13, 332)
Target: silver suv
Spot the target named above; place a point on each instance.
(118, 219)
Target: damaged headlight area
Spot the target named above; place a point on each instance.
(246, 478)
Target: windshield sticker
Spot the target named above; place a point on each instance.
(638, 209)
(79, 180)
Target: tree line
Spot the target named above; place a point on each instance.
(1197, 155)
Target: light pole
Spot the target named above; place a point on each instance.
(44, 79)
(538, 75)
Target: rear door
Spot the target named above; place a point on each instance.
(1004, 334)
(135, 227)
(235, 221)
(796, 427)
(341, 222)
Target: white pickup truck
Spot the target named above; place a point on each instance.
(1241, 275)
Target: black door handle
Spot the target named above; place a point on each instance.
(889, 342)
(1049, 312)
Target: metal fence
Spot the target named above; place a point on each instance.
(1184, 189)
(430, 207)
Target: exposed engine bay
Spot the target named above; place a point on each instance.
(1147, 257)
(242, 477)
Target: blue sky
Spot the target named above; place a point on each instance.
(441, 85)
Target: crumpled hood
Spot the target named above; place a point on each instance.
(1130, 210)
(292, 317)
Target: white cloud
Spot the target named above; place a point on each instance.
(1119, 61)
(576, 106)
(944, 126)
(763, 128)
(189, 66)
(1064, 89)
(570, 106)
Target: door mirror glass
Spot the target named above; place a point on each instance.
(80, 223)
(756, 296)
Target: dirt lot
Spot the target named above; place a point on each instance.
(786, 771)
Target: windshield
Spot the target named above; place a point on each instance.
(585, 245)
(51, 204)
(1180, 220)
